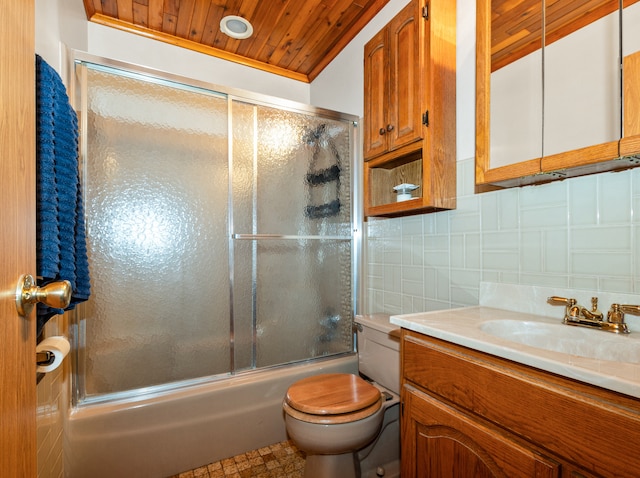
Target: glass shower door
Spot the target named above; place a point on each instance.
(291, 236)
(155, 178)
(219, 234)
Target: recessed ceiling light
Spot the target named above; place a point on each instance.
(236, 27)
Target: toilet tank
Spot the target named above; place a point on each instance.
(379, 350)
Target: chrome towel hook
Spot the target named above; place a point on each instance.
(55, 294)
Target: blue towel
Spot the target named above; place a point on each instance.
(61, 249)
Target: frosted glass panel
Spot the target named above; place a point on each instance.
(290, 172)
(302, 298)
(156, 175)
(291, 177)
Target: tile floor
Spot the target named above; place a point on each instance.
(282, 460)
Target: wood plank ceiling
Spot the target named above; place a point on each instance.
(293, 38)
(299, 38)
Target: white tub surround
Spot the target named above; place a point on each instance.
(476, 327)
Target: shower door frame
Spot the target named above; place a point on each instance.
(77, 325)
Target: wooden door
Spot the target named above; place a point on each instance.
(406, 67)
(17, 246)
(440, 441)
(376, 87)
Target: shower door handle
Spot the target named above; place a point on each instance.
(55, 294)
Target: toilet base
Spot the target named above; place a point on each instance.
(330, 466)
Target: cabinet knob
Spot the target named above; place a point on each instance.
(389, 127)
(382, 131)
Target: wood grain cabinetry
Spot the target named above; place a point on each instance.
(467, 413)
(393, 84)
(409, 110)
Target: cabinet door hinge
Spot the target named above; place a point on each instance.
(425, 118)
(425, 12)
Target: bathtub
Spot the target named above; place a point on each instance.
(164, 435)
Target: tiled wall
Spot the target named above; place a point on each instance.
(51, 406)
(579, 233)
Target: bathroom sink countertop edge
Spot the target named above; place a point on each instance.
(464, 326)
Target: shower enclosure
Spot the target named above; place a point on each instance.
(221, 232)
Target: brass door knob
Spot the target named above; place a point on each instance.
(55, 294)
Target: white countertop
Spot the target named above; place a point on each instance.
(462, 326)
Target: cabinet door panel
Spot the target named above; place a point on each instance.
(376, 85)
(450, 443)
(405, 117)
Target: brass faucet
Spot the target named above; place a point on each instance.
(577, 315)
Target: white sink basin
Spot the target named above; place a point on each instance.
(557, 337)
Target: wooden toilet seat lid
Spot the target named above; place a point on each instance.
(332, 394)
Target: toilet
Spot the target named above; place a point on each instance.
(346, 424)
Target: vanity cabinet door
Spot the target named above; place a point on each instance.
(440, 441)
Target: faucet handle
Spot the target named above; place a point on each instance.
(572, 310)
(555, 300)
(629, 309)
(617, 311)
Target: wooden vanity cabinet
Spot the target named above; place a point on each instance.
(467, 413)
(410, 110)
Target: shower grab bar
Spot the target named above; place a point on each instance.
(252, 237)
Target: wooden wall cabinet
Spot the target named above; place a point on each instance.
(409, 110)
(467, 413)
(393, 84)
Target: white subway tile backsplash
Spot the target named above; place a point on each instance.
(544, 217)
(532, 251)
(604, 239)
(550, 194)
(413, 288)
(392, 278)
(613, 284)
(584, 283)
(601, 264)
(412, 225)
(614, 198)
(579, 233)
(413, 274)
(500, 241)
(500, 260)
(472, 251)
(508, 211)
(437, 242)
(436, 259)
(555, 246)
(489, 211)
(583, 201)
